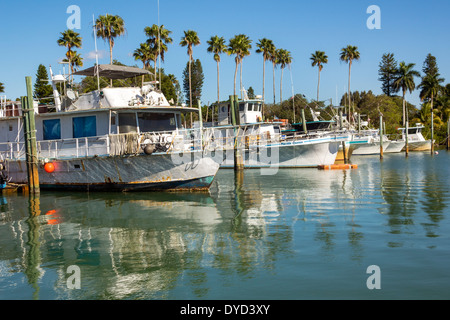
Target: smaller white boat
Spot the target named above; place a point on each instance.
(395, 146)
(416, 141)
(367, 142)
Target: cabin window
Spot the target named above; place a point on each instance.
(84, 127)
(151, 121)
(250, 107)
(52, 129)
(242, 107)
(127, 122)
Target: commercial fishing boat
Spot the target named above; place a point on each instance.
(110, 139)
(263, 144)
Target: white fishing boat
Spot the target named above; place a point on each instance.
(263, 144)
(416, 140)
(122, 138)
(367, 142)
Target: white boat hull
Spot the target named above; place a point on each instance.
(419, 145)
(368, 148)
(296, 154)
(395, 146)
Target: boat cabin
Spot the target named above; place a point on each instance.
(250, 111)
(90, 118)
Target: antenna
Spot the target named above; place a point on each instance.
(96, 53)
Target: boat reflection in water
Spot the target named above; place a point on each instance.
(296, 234)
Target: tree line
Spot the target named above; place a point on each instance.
(394, 77)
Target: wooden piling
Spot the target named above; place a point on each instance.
(381, 137)
(234, 110)
(432, 132)
(448, 135)
(305, 130)
(406, 140)
(30, 138)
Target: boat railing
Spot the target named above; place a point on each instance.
(11, 109)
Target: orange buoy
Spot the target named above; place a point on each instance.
(49, 167)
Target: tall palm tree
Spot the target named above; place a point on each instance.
(348, 54)
(430, 87)
(265, 46)
(190, 39)
(404, 80)
(273, 57)
(284, 58)
(145, 55)
(318, 58)
(217, 46)
(70, 39)
(239, 45)
(159, 38)
(110, 27)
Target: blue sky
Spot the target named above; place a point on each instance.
(409, 29)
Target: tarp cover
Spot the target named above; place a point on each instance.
(112, 71)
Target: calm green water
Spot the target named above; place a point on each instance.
(299, 234)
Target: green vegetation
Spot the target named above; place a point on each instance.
(2, 87)
(42, 87)
(193, 78)
(70, 39)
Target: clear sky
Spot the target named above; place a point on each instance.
(409, 29)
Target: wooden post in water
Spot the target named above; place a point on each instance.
(448, 135)
(341, 126)
(200, 121)
(381, 137)
(406, 139)
(304, 121)
(359, 123)
(30, 138)
(432, 132)
(234, 110)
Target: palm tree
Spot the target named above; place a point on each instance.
(110, 27)
(190, 39)
(404, 80)
(284, 58)
(265, 46)
(70, 39)
(217, 46)
(318, 58)
(2, 87)
(159, 37)
(240, 45)
(349, 54)
(74, 59)
(145, 55)
(430, 87)
(273, 57)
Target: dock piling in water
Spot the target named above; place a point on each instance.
(406, 139)
(381, 137)
(30, 138)
(234, 109)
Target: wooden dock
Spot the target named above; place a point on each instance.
(12, 188)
